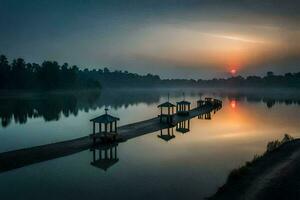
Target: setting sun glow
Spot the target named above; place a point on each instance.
(233, 72)
(233, 104)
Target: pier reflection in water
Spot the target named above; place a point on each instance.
(104, 156)
(183, 127)
(52, 107)
(167, 134)
(191, 166)
(206, 116)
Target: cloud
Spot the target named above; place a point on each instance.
(200, 36)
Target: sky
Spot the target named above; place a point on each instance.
(171, 38)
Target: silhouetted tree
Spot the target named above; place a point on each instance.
(269, 74)
(50, 75)
(4, 72)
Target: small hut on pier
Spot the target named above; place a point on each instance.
(209, 100)
(200, 103)
(167, 136)
(166, 116)
(105, 156)
(107, 127)
(183, 107)
(183, 127)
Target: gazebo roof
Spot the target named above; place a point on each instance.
(106, 118)
(166, 104)
(200, 100)
(184, 102)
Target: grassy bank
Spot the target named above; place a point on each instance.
(239, 180)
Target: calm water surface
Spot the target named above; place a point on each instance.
(191, 165)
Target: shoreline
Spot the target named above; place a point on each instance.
(265, 176)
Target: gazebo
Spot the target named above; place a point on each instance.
(107, 130)
(183, 127)
(183, 107)
(209, 100)
(168, 136)
(105, 156)
(166, 116)
(200, 103)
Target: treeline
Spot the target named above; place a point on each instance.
(47, 76)
(290, 80)
(118, 78)
(50, 75)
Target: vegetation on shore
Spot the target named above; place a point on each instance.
(20, 75)
(239, 178)
(51, 76)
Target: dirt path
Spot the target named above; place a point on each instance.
(275, 175)
(262, 184)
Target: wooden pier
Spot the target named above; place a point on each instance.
(19, 158)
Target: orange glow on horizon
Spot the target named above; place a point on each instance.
(235, 47)
(233, 72)
(233, 104)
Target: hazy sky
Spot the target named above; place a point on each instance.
(172, 38)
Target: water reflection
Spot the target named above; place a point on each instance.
(105, 156)
(206, 116)
(51, 107)
(167, 134)
(233, 104)
(183, 127)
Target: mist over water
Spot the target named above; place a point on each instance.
(147, 166)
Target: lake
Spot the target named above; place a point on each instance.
(192, 165)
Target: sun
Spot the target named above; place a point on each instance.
(233, 72)
(233, 104)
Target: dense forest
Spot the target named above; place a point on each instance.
(51, 76)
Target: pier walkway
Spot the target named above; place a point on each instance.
(19, 158)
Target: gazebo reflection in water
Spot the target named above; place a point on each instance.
(105, 156)
(167, 134)
(206, 116)
(183, 127)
